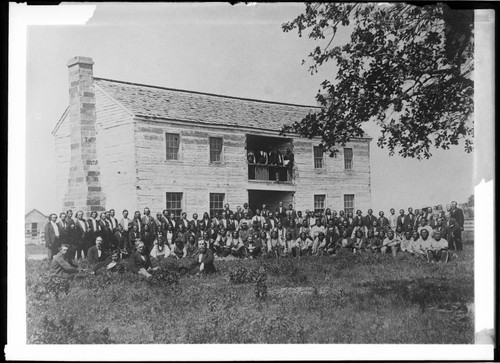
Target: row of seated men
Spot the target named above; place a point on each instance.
(139, 262)
(80, 234)
(419, 243)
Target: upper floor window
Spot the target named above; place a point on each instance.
(318, 157)
(215, 149)
(172, 141)
(347, 158)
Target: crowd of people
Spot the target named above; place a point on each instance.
(433, 234)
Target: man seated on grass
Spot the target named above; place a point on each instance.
(424, 244)
(438, 251)
(159, 249)
(303, 243)
(344, 243)
(96, 254)
(406, 242)
(139, 261)
(205, 258)
(319, 244)
(274, 245)
(113, 263)
(179, 249)
(359, 241)
(62, 266)
(415, 249)
(289, 247)
(254, 246)
(390, 243)
(373, 243)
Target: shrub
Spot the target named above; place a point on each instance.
(241, 275)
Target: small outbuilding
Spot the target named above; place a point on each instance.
(34, 224)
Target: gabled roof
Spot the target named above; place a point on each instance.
(174, 104)
(35, 211)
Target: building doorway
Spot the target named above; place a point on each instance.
(270, 198)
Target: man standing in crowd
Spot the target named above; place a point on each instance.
(411, 218)
(382, 221)
(281, 212)
(370, 218)
(82, 235)
(63, 229)
(393, 219)
(52, 235)
(457, 214)
(113, 221)
(147, 219)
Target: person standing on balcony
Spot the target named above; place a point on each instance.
(262, 157)
(251, 157)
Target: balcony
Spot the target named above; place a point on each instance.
(269, 173)
(265, 159)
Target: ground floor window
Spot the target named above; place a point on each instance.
(349, 203)
(216, 203)
(319, 203)
(174, 204)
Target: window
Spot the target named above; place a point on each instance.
(348, 203)
(347, 158)
(318, 157)
(319, 203)
(172, 141)
(216, 203)
(34, 229)
(215, 149)
(174, 204)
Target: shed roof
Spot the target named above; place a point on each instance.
(35, 211)
(174, 104)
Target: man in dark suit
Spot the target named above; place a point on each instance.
(369, 219)
(452, 230)
(228, 211)
(280, 213)
(382, 221)
(82, 235)
(271, 221)
(63, 229)
(106, 231)
(52, 235)
(71, 235)
(96, 254)
(134, 234)
(412, 218)
(94, 229)
(358, 217)
(184, 221)
(403, 222)
(246, 210)
(458, 214)
(112, 220)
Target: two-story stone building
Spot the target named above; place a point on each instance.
(125, 145)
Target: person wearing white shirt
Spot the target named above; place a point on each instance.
(317, 228)
(438, 251)
(393, 219)
(159, 249)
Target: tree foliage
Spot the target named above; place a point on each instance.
(408, 68)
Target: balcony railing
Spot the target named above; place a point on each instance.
(270, 173)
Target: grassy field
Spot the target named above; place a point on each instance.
(345, 299)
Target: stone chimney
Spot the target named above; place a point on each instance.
(84, 188)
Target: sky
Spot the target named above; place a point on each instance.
(215, 48)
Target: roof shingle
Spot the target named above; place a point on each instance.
(165, 103)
